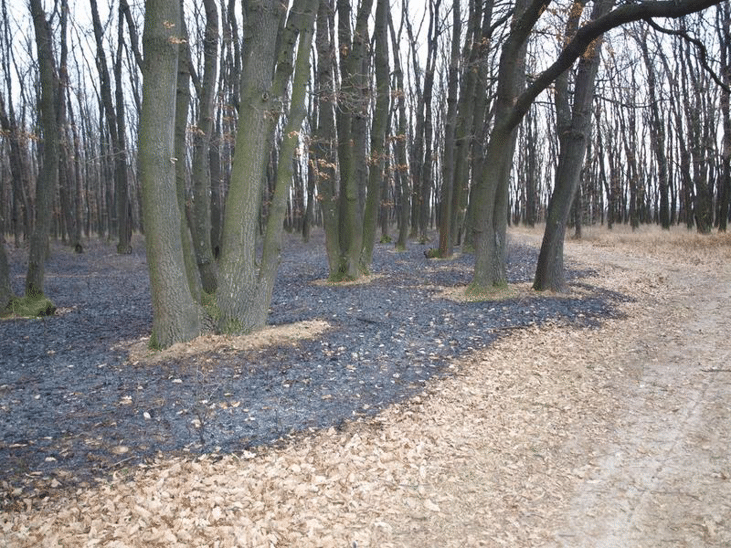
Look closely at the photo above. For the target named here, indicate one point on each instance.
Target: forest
(214, 127)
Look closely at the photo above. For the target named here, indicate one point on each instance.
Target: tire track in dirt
(666, 479)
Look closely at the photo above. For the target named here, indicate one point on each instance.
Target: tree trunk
(176, 317)
(6, 293)
(574, 133)
(379, 129)
(401, 169)
(724, 32)
(657, 135)
(182, 105)
(18, 171)
(446, 238)
(48, 177)
(119, 164)
(239, 296)
(491, 195)
(272, 245)
(491, 189)
(324, 164)
(201, 172)
(258, 110)
(351, 120)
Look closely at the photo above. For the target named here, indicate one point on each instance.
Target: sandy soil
(557, 435)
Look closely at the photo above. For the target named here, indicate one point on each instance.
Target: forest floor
(597, 418)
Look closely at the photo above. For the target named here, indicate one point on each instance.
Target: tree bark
(119, 162)
(48, 177)
(379, 129)
(657, 135)
(201, 171)
(6, 293)
(240, 304)
(351, 127)
(491, 189)
(272, 245)
(446, 239)
(401, 169)
(18, 171)
(574, 134)
(176, 317)
(324, 145)
(182, 106)
(724, 32)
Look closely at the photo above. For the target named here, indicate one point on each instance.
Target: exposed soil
(599, 418)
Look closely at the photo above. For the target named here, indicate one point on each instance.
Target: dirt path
(555, 436)
(665, 479)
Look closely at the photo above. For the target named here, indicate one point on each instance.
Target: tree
(6, 293)
(378, 132)
(324, 159)
(574, 128)
(272, 245)
(201, 172)
(724, 31)
(351, 118)
(241, 297)
(176, 316)
(118, 149)
(182, 106)
(446, 238)
(421, 150)
(48, 178)
(492, 188)
(19, 172)
(401, 169)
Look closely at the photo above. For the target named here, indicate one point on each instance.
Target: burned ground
(76, 405)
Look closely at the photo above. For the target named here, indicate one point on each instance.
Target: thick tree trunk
(258, 112)
(351, 126)
(48, 177)
(480, 122)
(243, 294)
(182, 105)
(490, 194)
(176, 317)
(574, 133)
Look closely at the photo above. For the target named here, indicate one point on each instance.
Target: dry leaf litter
(491, 456)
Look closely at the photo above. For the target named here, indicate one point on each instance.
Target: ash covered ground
(74, 409)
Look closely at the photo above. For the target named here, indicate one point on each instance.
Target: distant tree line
(212, 126)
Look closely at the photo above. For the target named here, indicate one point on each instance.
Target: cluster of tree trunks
(229, 119)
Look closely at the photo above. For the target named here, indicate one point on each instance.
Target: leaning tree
(512, 103)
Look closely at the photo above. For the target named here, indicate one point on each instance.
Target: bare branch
(700, 47)
(626, 13)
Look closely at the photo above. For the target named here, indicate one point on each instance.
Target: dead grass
(141, 354)
(363, 280)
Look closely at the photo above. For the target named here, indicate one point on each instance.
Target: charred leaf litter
(73, 409)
